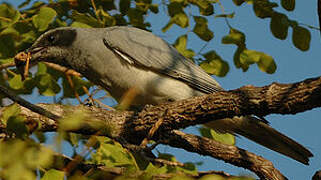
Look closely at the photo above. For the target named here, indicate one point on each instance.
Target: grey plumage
(124, 58)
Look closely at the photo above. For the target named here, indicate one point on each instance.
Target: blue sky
(292, 66)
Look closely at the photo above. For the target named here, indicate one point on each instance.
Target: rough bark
(133, 126)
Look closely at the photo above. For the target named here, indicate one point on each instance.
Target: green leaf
(7, 46)
(177, 14)
(124, 6)
(15, 82)
(112, 154)
(214, 177)
(136, 18)
(24, 4)
(225, 138)
(181, 20)
(47, 85)
(201, 29)
(214, 64)
(154, 8)
(175, 7)
(16, 125)
(19, 86)
(42, 69)
(188, 168)
(279, 25)
(180, 44)
(181, 177)
(80, 25)
(12, 110)
(266, 64)
(237, 59)
(106, 18)
(238, 2)
(301, 38)
(8, 15)
(263, 8)
(79, 83)
(250, 56)
(205, 7)
(234, 37)
(153, 170)
(289, 5)
(15, 122)
(85, 19)
(53, 174)
(45, 16)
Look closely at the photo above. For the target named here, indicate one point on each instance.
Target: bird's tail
(255, 130)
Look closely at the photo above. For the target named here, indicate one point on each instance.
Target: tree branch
(113, 124)
(249, 100)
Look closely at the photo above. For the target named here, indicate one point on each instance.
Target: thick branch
(249, 100)
(115, 125)
(230, 154)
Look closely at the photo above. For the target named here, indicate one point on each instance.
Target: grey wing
(144, 49)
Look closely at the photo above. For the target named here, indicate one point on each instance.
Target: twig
(231, 154)
(27, 104)
(166, 162)
(63, 69)
(6, 65)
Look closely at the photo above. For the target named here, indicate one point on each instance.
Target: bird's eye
(51, 38)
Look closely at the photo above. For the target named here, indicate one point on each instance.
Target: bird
(121, 58)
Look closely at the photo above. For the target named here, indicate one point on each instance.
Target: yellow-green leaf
(85, 19)
(225, 138)
(53, 174)
(8, 15)
(15, 82)
(279, 25)
(45, 16)
(124, 6)
(266, 64)
(250, 56)
(301, 38)
(180, 44)
(205, 7)
(16, 125)
(289, 5)
(12, 110)
(201, 29)
(234, 37)
(181, 20)
(47, 85)
(214, 64)
(263, 8)
(80, 25)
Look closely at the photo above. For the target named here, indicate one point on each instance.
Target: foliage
(20, 26)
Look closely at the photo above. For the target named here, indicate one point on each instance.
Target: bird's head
(53, 46)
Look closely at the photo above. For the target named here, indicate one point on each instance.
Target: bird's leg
(127, 98)
(68, 77)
